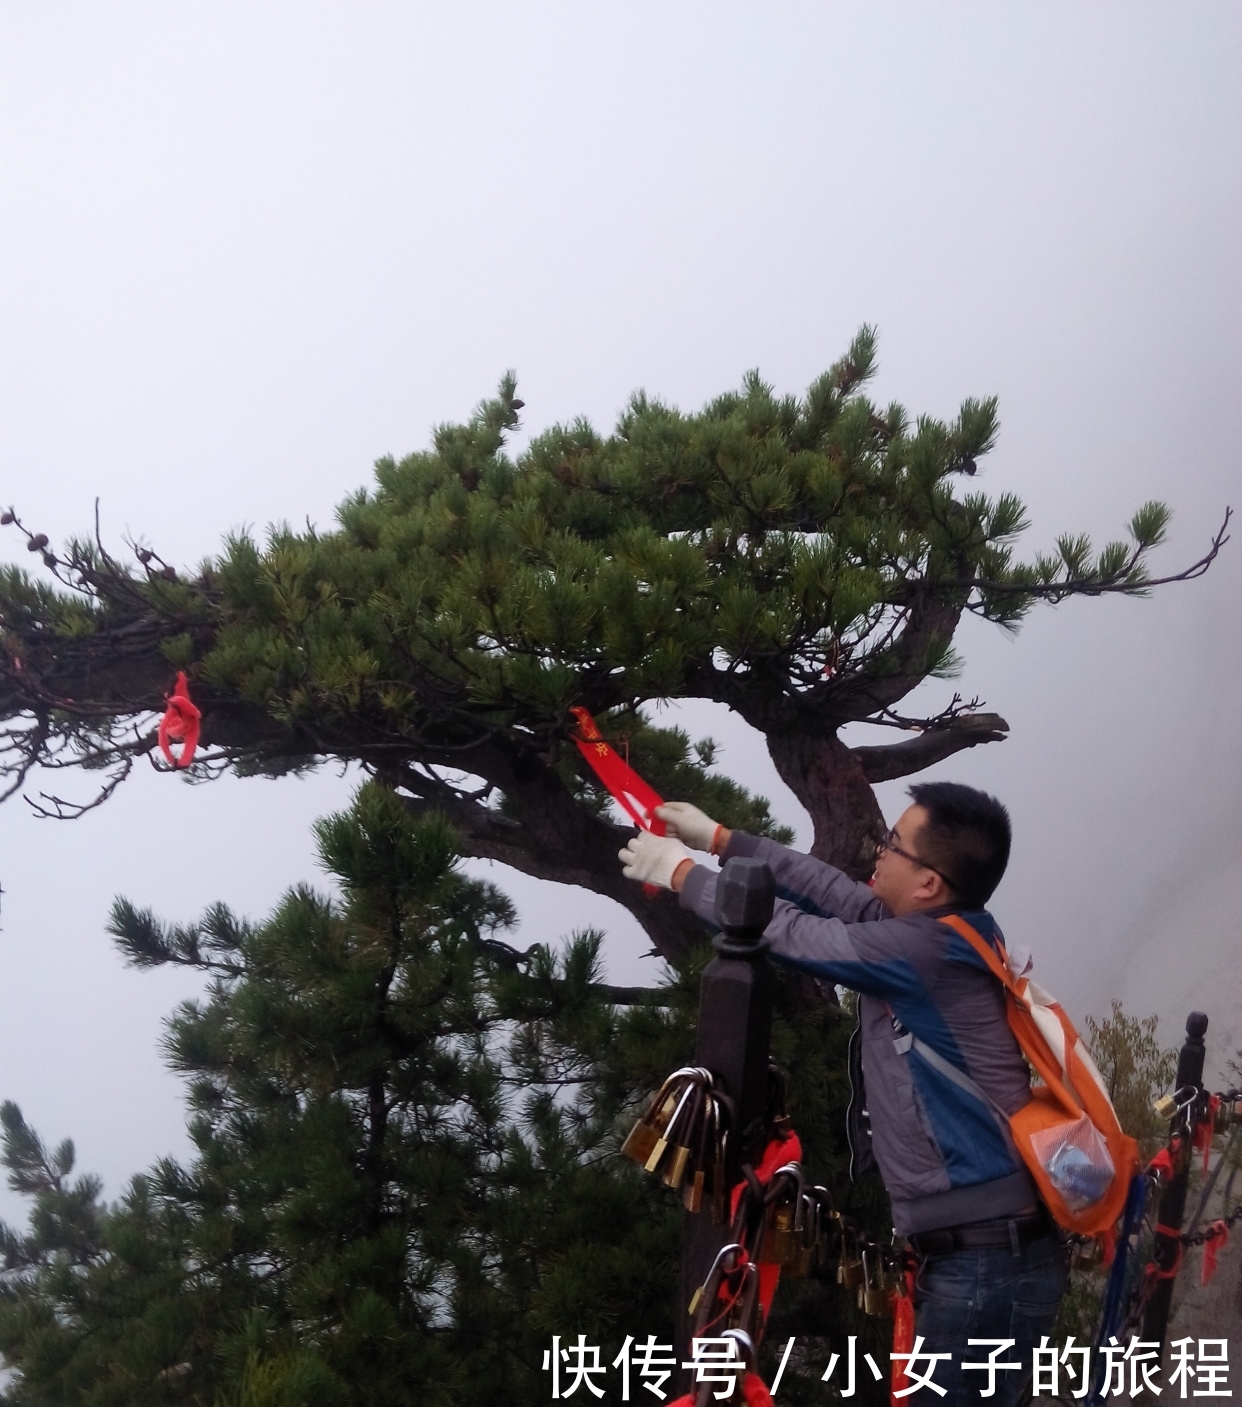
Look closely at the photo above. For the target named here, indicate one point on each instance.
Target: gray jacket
(945, 1154)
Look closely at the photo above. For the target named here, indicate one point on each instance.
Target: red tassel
(180, 724)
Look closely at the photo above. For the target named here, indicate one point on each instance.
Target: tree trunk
(830, 783)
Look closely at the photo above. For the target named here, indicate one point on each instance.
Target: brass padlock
(873, 1293)
(661, 1144)
(782, 1221)
(675, 1168)
(715, 1287)
(850, 1266)
(780, 1236)
(1086, 1254)
(1166, 1106)
(689, 1130)
(642, 1138)
(693, 1190)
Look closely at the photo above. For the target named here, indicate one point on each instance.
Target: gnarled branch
(884, 763)
(551, 837)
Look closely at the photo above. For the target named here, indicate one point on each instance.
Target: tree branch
(883, 764)
(553, 837)
(1055, 591)
(889, 675)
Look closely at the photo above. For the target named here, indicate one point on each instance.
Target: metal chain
(1212, 1231)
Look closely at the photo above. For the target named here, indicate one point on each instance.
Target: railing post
(1172, 1210)
(732, 1040)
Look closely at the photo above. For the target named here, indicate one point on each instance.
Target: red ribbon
(1162, 1165)
(1205, 1128)
(1153, 1271)
(755, 1392)
(903, 1336)
(1217, 1236)
(180, 724)
(634, 796)
(786, 1149)
(625, 786)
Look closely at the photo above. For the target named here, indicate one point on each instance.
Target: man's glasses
(888, 841)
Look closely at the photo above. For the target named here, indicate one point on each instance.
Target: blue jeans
(986, 1293)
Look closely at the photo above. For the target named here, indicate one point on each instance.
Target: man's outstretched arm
(813, 886)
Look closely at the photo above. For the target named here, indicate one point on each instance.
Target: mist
(246, 250)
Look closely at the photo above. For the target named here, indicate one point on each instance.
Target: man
(991, 1263)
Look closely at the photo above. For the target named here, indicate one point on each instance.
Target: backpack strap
(996, 962)
(1032, 1041)
(958, 1077)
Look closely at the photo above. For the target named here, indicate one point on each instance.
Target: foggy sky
(245, 250)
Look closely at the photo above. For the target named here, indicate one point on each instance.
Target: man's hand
(689, 824)
(653, 859)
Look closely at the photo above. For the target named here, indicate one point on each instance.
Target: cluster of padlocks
(683, 1138)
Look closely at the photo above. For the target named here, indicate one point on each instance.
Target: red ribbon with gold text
(625, 786)
(634, 796)
(180, 724)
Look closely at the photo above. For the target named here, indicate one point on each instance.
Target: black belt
(1014, 1232)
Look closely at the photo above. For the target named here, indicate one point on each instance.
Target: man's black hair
(966, 836)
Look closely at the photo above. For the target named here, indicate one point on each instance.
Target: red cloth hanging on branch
(180, 724)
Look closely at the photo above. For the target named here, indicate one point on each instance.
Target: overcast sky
(245, 250)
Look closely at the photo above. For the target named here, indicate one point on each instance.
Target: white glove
(652, 858)
(688, 824)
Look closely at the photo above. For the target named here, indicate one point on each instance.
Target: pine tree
(805, 562)
(403, 1127)
(400, 1187)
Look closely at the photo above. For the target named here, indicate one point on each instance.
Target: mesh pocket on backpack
(1077, 1161)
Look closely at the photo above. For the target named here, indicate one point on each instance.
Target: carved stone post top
(745, 896)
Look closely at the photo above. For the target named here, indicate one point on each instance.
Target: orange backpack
(1068, 1135)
